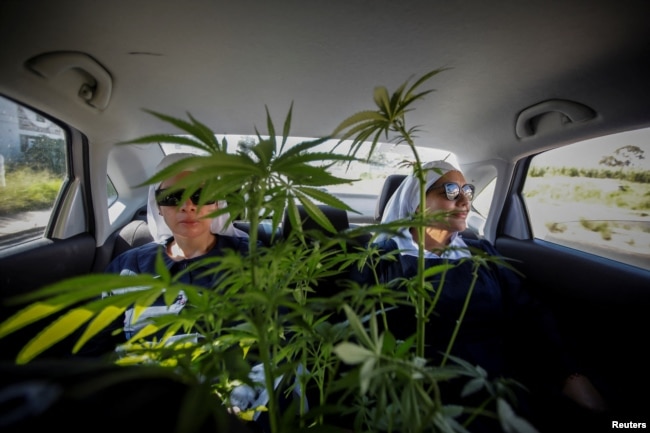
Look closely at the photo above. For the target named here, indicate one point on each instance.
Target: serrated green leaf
(422, 79)
(264, 150)
(510, 421)
(351, 353)
(78, 289)
(285, 163)
(269, 123)
(381, 98)
(53, 333)
(168, 138)
(324, 197)
(205, 134)
(366, 374)
(29, 315)
(438, 269)
(147, 330)
(316, 214)
(105, 317)
(365, 117)
(357, 326)
(299, 148)
(194, 128)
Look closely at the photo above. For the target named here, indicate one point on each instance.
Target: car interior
(517, 81)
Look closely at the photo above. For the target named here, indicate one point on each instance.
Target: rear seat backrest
(392, 182)
(330, 285)
(264, 231)
(132, 235)
(338, 218)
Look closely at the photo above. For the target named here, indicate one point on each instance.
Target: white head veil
(405, 201)
(157, 226)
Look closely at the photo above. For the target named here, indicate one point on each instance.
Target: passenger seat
(338, 218)
(331, 285)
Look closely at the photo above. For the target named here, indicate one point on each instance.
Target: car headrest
(265, 233)
(390, 185)
(132, 235)
(338, 218)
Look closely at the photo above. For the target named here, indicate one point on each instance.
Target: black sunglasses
(174, 198)
(453, 190)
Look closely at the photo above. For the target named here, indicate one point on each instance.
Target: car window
(594, 196)
(362, 194)
(32, 171)
(111, 192)
(481, 208)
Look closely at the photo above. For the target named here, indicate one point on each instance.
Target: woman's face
(187, 219)
(436, 201)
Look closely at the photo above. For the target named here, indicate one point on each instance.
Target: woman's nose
(463, 200)
(188, 206)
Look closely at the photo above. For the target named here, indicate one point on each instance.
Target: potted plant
(269, 310)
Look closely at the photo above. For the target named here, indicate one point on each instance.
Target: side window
(111, 192)
(32, 171)
(594, 196)
(481, 208)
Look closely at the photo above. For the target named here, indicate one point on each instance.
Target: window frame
(517, 221)
(69, 215)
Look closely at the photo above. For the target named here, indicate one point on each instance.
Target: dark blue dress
(506, 330)
(142, 260)
(498, 311)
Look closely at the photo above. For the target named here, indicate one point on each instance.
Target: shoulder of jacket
(483, 244)
(140, 254)
(386, 244)
(234, 242)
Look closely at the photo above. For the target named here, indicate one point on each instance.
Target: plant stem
(475, 266)
(419, 301)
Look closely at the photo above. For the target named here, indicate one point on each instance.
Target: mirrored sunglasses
(175, 198)
(453, 190)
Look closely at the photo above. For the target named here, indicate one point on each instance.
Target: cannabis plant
(285, 313)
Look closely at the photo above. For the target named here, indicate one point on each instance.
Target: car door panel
(602, 309)
(26, 271)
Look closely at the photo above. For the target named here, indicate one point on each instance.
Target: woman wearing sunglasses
(449, 195)
(183, 234)
(501, 318)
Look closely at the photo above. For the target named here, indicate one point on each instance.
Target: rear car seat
(338, 218)
(332, 284)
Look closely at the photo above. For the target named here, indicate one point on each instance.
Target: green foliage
(279, 305)
(624, 156)
(630, 174)
(46, 153)
(624, 194)
(29, 190)
(602, 227)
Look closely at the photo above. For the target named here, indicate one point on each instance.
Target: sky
(587, 154)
